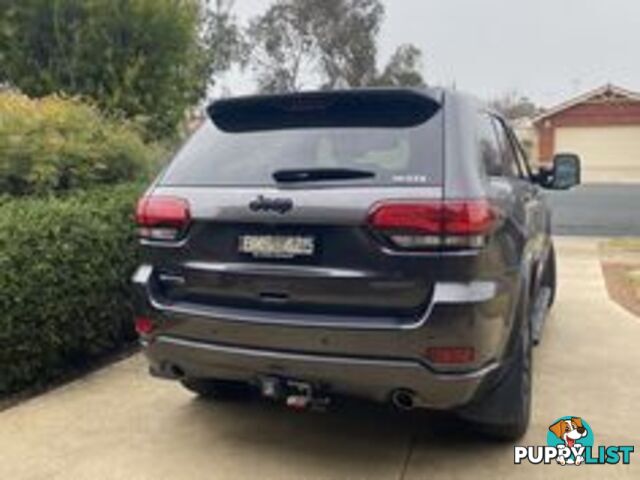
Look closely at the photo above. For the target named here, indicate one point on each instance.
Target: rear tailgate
(257, 243)
(349, 271)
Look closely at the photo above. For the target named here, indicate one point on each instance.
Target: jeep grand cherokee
(392, 244)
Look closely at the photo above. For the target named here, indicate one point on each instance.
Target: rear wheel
(217, 389)
(505, 411)
(549, 279)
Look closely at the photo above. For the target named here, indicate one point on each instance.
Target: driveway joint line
(407, 458)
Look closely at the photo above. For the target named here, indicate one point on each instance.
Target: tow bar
(297, 395)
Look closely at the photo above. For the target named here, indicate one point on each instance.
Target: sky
(548, 50)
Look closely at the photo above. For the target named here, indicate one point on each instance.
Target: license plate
(277, 246)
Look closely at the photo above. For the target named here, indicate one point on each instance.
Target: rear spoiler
(373, 108)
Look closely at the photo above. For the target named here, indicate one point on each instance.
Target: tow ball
(296, 395)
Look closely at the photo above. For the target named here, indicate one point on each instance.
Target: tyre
(549, 279)
(504, 412)
(217, 389)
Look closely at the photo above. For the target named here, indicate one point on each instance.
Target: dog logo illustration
(570, 441)
(570, 431)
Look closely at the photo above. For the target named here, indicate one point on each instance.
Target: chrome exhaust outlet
(176, 372)
(403, 400)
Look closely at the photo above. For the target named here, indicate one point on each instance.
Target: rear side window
(488, 146)
(403, 148)
(509, 155)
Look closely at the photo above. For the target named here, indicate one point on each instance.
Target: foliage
(65, 264)
(223, 38)
(54, 145)
(514, 105)
(334, 41)
(403, 68)
(346, 32)
(284, 47)
(145, 58)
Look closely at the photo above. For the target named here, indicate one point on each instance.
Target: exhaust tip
(403, 400)
(177, 372)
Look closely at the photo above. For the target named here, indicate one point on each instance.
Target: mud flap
(496, 404)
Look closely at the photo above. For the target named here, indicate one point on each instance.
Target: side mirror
(565, 173)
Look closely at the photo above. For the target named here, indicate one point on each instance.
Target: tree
(346, 33)
(332, 43)
(223, 37)
(284, 47)
(146, 59)
(514, 105)
(403, 68)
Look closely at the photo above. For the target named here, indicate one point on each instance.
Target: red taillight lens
(450, 355)
(460, 223)
(162, 218)
(417, 217)
(467, 217)
(144, 325)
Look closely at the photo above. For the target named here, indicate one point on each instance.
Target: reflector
(144, 325)
(450, 355)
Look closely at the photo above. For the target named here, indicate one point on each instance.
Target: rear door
(533, 212)
(303, 247)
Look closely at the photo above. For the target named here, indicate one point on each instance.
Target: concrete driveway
(121, 424)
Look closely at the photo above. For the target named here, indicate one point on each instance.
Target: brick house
(602, 126)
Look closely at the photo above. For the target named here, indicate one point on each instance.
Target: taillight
(434, 224)
(162, 218)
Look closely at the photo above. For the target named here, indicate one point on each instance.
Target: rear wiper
(320, 174)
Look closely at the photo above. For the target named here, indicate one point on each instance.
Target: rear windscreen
(403, 154)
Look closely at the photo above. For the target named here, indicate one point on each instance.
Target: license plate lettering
(275, 246)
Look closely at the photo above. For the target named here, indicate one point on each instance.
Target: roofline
(584, 97)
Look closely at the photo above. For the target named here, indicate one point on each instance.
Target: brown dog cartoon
(569, 431)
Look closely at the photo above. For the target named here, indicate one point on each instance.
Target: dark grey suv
(391, 244)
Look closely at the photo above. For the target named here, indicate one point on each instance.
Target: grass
(631, 245)
(634, 277)
(621, 267)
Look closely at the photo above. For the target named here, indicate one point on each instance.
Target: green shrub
(148, 59)
(55, 145)
(65, 265)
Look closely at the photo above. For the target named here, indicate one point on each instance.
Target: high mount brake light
(162, 218)
(434, 224)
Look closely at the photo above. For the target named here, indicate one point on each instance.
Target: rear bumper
(372, 378)
(357, 357)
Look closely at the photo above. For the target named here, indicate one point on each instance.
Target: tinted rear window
(407, 154)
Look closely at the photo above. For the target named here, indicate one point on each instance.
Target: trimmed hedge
(55, 144)
(65, 265)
